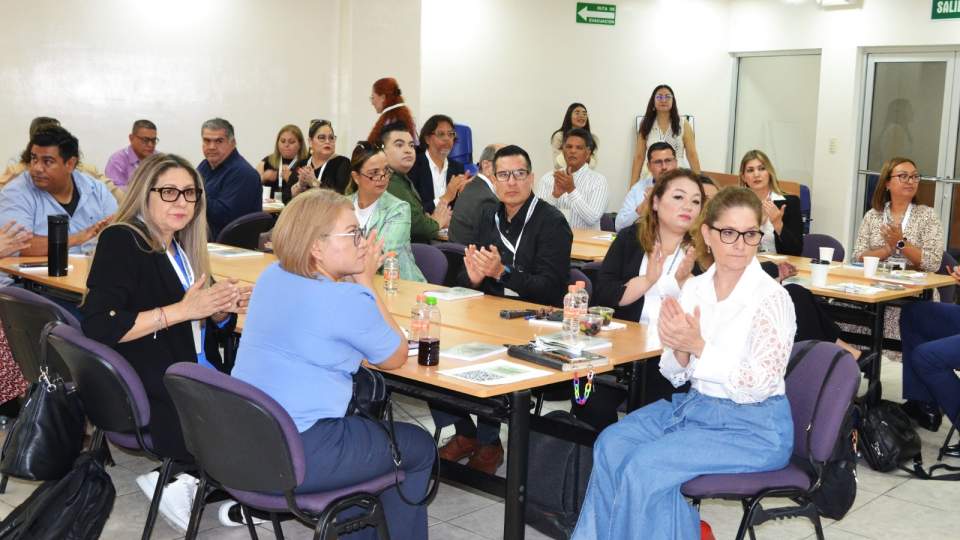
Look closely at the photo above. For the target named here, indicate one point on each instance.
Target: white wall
(178, 62)
(509, 70)
(842, 35)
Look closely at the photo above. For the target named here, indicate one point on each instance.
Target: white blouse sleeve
(670, 368)
(770, 343)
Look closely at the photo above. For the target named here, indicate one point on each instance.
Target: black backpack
(557, 477)
(76, 507)
(888, 440)
(838, 476)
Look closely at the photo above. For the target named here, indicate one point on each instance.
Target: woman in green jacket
(377, 209)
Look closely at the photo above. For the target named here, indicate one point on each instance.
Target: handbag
(48, 435)
(887, 437)
(371, 400)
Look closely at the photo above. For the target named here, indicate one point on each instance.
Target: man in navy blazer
(436, 177)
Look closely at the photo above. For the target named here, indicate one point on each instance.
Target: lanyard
(507, 243)
(181, 265)
(904, 221)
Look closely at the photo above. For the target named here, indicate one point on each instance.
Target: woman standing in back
(387, 100)
(662, 123)
(575, 117)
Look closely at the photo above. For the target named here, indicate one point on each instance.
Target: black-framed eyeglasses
(905, 178)
(730, 236)
(171, 194)
(519, 174)
(358, 235)
(148, 140)
(377, 174)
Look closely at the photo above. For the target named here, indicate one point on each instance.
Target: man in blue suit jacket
(231, 186)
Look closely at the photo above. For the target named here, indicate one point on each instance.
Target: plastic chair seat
(738, 486)
(313, 502)
(128, 441)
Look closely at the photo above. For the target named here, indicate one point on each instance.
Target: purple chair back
(112, 394)
(608, 222)
(23, 315)
(577, 275)
(431, 261)
(813, 242)
(239, 435)
(454, 254)
(803, 387)
(244, 232)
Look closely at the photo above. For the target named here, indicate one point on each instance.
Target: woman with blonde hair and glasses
(151, 296)
(729, 335)
(782, 223)
(325, 275)
(288, 150)
(378, 210)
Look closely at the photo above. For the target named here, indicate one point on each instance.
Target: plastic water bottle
(391, 272)
(419, 318)
(429, 341)
(583, 299)
(571, 313)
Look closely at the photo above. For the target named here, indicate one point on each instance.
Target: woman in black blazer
(782, 224)
(647, 261)
(151, 298)
(324, 168)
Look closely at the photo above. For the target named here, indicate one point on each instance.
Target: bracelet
(163, 316)
(157, 316)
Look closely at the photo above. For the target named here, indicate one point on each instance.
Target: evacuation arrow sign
(588, 13)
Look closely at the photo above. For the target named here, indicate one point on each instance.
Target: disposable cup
(818, 273)
(870, 266)
(826, 253)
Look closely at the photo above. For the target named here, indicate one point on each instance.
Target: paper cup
(266, 193)
(818, 273)
(826, 254)
(870, 266)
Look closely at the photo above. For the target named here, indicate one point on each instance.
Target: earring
(708, 250)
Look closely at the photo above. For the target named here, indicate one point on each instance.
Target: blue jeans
(930, 333)
(640, 462)
(341, 452)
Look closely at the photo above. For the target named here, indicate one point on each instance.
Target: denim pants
(640, 462)
(340, 452)
(930, 333)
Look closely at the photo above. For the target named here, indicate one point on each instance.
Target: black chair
(454, 253)
(577, 275)
(947, 293)
(114, 401)
(813, 242)
(219, 415)
(244, 232)
(608, 222)
(23, 315)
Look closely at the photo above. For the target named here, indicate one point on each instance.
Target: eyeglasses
(171, 194)
(519, 174)
(445, 134)
(148, 140)
(377, 174)
(730, 236)
(907, 178)
(325, 138)
(358, 235)
(663, 97)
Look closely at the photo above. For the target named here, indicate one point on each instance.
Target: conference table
(849, 293)
(466, 320)
(590, 245)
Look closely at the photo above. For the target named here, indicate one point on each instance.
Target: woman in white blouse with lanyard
(730, 335)
(782, 223)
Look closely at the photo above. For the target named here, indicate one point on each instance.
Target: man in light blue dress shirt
(661, 157)
(52, 185)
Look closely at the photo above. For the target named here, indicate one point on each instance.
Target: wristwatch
(505, 274)
(902, 243)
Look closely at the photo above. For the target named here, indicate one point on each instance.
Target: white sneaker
(236, 519)
(177, 501)
(148, 483)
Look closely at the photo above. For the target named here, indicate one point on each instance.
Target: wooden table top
(843, 273)
(588, 252)
(593, 237)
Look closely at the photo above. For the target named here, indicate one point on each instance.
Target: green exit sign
(944, 9)
(588, 13)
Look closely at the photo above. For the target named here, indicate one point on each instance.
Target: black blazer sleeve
(422, 180)
(109, 309)
(790, 239)
(621, 264)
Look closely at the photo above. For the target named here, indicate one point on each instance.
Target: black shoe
(926, 415)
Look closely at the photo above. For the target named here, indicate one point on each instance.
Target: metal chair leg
(943, 447)
(197, 510)
(248, 519)
(3, 483)
(277, 529)
(155, 501)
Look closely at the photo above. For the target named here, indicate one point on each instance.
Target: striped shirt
(583, 206)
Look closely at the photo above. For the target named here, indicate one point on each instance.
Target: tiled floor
(888, 506)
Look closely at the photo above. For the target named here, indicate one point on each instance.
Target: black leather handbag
(887, 438)
(370, 395)
(48, 435)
